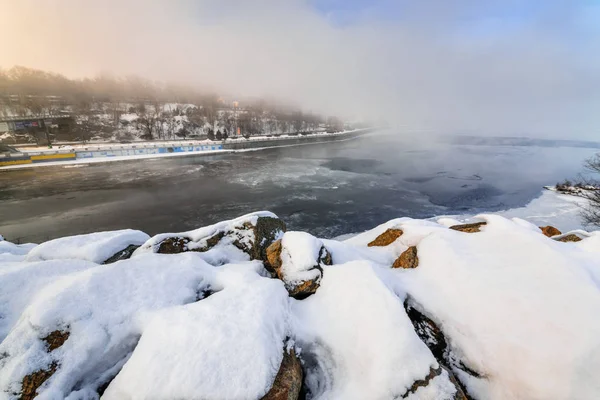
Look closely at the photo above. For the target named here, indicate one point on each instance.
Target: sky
(495, 67)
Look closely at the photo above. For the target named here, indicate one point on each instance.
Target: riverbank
(84, 154)
(249, 308)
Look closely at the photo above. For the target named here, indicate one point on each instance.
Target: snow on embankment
(494, 309)
(96, 247)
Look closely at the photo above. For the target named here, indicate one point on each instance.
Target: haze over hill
(484, 68)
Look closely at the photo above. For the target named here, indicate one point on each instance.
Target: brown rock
(305, 288)
(296, 290)
(325, 256)
(273, 263)
(386, 238)
(408, 259)
(266, 231)
(550, 231)
(434, 372)
(570, 238)
(33, 381)
(212, 241)
(468, 228)
(173, 245)
(56, 339)
(288, 381)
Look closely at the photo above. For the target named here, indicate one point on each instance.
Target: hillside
(36, 105)
(421, 309)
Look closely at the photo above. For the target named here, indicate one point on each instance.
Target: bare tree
(85, 119)
(228, 121)
(591, 214)
(146, 122)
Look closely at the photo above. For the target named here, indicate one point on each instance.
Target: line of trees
(591, 214)
(31, 92)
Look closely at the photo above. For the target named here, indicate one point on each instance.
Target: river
(327, 189)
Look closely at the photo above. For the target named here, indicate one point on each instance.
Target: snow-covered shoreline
(243, 309)
(100, 153)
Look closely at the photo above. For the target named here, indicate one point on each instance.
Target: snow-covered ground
(502, 312)
(550, 208)
(105, 147)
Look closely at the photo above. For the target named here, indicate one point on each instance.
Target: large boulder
(469, 228)
(430, 333)
(34, 380)
(297, 259)
(550, 231)
(122, 254)
(266, 231)
(569, 238)
(251, 233)
(386, 238)
(408, 259)
(288, 381)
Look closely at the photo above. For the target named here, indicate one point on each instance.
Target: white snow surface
(105, 309)
(299, 256)
(96, 247)
(14, 252)
(518, 308)
(228, 346)
(21, 282)
(357, 338)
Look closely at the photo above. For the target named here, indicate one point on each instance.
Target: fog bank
(491, 69)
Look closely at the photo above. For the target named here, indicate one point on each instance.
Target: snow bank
(550, 208)
(96, 247)
(14, 252)
(520, 307)
(198, 237)
(228, 346)
(300, 252)
(518, 313)
(21, 282)
(105, 310)
(357, 340)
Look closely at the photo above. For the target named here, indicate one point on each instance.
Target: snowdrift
(496, 308)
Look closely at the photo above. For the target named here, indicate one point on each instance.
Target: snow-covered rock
(488, 307)
(104, 309)
(228, 346)
(21, 282)
(356, 340)
(519, 307)
(239, 239)
(96, 247)
(297, 259)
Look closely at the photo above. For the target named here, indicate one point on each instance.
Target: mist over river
(327, 189)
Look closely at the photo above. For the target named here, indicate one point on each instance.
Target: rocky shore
(491, 308)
